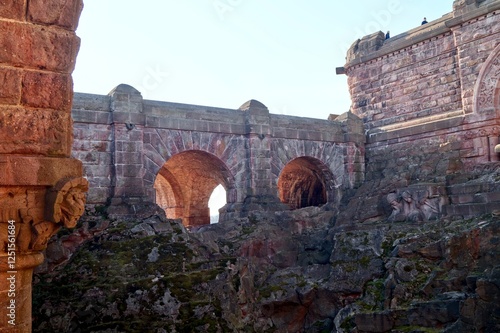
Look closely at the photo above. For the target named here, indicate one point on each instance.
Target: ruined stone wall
(125, 142)
(41, 188)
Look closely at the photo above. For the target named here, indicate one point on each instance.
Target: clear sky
(225, 52)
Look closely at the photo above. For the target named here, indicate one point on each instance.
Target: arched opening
(185, 184)
(217, 201)
(304, 182)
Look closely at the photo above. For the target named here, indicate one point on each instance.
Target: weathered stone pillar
(127, 121)
(259, 192)
(41, 187)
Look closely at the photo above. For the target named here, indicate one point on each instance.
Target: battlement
(375, 45)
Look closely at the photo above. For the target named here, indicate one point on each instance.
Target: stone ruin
(137, 152)
(421, 141)
(425, 109)
(41, 185)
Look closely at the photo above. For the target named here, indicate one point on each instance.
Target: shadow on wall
(303, 183)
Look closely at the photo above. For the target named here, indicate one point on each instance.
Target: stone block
(43, 132)
(103, 117)
(185, 125)
(101, 134)
(38, 47)
(84, 116)
(225, 128)
(82, 101)
(128, 158)
(104, 158)
(150, 177)
(162, 122)
(129, 170)
(10, 81)
(62, 13)
(128, 146)
(303, 135)
(213, 127)
(125, 134)
(38, 90)
(98, 195)
(13, 10)
(133, 184)
(202, 126)
(128, 118)
(279, 132)
(237, 129)
(152, 121)
(461, 199)
(291, 133)
(92, 171)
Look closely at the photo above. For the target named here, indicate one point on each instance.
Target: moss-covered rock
(275, 273)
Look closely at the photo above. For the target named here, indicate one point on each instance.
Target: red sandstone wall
(418, 81)
(420, 87)
(38, 53)
(429, 100)
(475, 40)
(125, 141)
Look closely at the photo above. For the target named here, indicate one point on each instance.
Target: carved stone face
(67, 202)
(72, 206)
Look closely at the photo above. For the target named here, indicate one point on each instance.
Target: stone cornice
(484, 10)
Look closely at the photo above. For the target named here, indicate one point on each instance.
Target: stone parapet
(375, 46)
(125, 142)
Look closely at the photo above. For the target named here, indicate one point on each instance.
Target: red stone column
(41, 188)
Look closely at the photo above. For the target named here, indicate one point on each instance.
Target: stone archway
(304, 182)
(487, 88)
(487, 107)
(185, 182)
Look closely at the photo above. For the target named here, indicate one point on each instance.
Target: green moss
(246, 230)
(348, 324)
(267, 291)
(373, 298)
(210, 322)
(365, 261)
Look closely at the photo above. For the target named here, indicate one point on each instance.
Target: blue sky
(225, 52)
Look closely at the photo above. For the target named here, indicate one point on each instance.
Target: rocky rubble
(296, 271)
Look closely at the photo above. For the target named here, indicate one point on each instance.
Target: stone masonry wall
(429, 102)
(125, 141)
(93, 144)
(421, 80)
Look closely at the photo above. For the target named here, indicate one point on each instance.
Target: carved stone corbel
(64, 205)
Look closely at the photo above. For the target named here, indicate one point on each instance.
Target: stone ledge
(413, 128)
(37, 171)
(472, 14)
